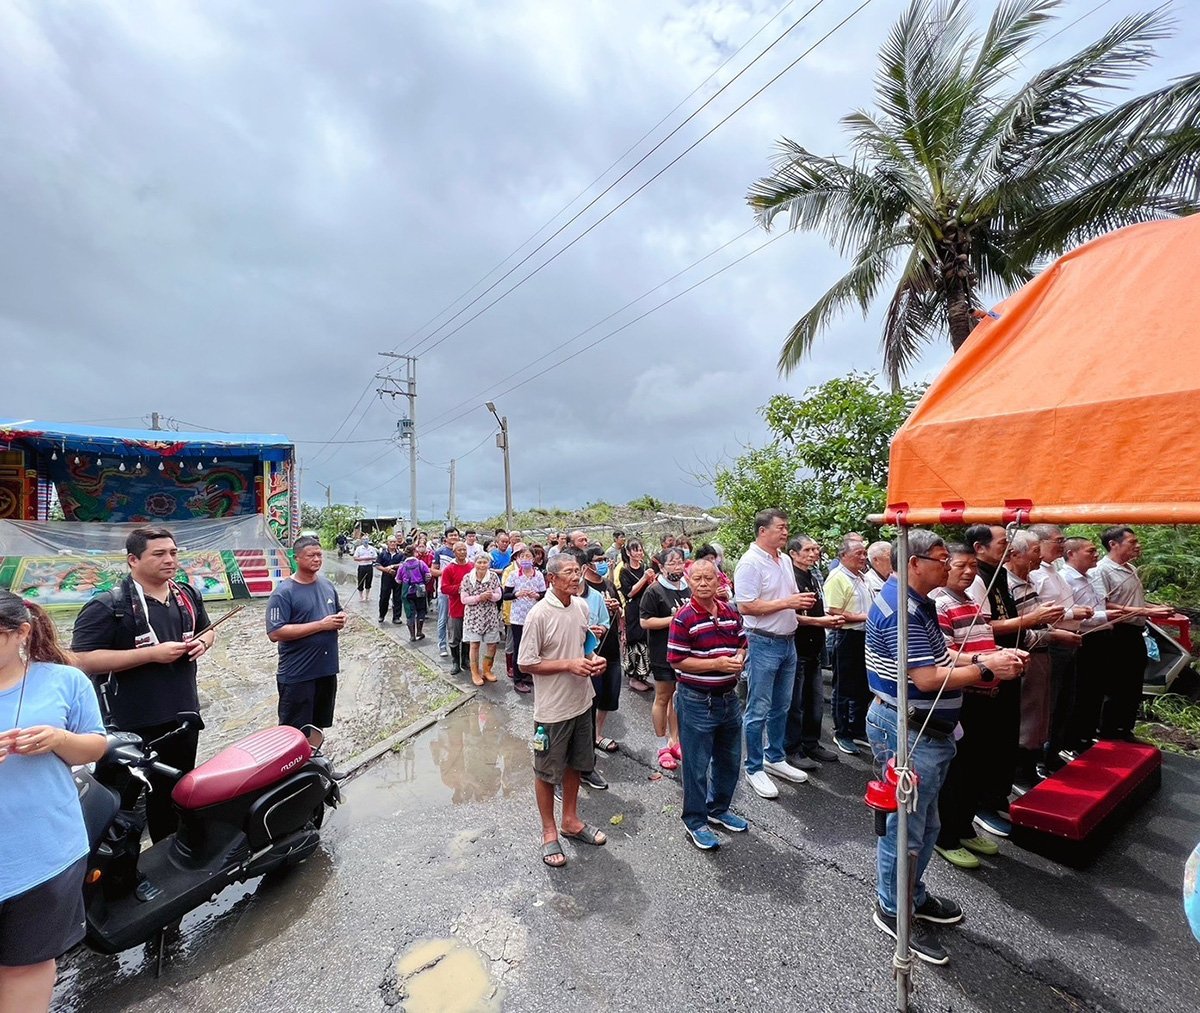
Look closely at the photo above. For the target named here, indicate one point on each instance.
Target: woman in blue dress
(49, 722)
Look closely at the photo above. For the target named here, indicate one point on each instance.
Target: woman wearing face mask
(666, 596)
(601, 601)
(49, 720)
(632, 578)
(523, 587)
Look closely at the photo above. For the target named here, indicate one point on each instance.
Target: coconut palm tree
(958, 184)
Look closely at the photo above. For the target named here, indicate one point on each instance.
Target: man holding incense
(139, 643)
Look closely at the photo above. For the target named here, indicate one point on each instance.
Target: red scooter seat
(255, 762)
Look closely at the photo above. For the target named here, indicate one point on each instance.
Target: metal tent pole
(902, 960)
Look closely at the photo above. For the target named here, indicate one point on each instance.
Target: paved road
(433, 863)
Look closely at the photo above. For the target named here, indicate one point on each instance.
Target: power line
(616, 162)
(691, 147)
(474, 399)
(421, 348)
(617, 330)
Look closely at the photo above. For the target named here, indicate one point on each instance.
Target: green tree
(826, 463)
(335, 520)
(958, 183)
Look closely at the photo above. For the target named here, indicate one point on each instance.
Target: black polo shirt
(810, 639)
(151, 694)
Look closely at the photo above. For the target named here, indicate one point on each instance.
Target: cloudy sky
(223, 211)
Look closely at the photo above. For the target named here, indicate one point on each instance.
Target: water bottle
(541, 741)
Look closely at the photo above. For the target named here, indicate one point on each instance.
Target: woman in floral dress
(480, 593)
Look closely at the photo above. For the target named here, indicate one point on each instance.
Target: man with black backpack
(139, 644)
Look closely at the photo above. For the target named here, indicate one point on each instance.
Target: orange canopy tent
(1067, 403)
(1073, 400)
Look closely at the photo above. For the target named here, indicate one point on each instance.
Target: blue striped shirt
(926, 648)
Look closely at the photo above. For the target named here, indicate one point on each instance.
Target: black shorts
(572, 744)
(307, 703)
(43, 923)
(662, 673)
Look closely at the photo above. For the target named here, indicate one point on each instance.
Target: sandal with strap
(588, 834)
(549, 850)
(666, 759)
(607, 745)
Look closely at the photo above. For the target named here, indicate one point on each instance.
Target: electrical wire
(474, 399)
(612, 211)
(419, 350)
(617, 330)
(616, 162)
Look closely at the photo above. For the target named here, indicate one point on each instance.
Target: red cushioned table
(1070, 815)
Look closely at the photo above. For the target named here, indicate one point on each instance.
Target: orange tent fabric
(1079, 402)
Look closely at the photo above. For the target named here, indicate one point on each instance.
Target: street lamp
(502, 443)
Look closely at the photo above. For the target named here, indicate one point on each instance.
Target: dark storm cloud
(223, 211)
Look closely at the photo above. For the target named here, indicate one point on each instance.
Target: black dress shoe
(821, 754)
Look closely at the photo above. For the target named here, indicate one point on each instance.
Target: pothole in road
(443, 976)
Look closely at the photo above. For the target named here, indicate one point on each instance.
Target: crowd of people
(1024, 647)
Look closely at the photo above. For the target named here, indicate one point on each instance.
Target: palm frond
(914, 315)
(858, 286)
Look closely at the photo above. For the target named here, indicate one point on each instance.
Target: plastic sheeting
(1075, 403)
(67, 538)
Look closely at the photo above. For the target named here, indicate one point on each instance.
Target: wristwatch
(985, 673)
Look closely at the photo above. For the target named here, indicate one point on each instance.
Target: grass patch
(1173, 724)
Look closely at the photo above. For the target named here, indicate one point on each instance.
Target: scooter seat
(256, 761)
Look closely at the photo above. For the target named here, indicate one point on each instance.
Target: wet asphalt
(440, 841)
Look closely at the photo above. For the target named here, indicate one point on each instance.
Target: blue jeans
(710, 734)
(772, 668)
(443, 619)
(931, 761)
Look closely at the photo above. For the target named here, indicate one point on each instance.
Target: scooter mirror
(191, 720)
(315, 736)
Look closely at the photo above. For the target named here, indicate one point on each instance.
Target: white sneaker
(763, 786)
(786, 771)
(443, 653)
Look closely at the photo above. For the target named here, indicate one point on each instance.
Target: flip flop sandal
(607, 745)
(666, 759)
(549, 850)
(588, 834)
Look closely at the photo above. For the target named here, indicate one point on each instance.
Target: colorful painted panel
(141, 493)
(12, 485)
(281, 509)
(72, 581)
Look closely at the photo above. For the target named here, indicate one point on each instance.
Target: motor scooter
(255, 807)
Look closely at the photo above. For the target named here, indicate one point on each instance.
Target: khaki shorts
(571, 745)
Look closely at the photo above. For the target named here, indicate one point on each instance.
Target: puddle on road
(475, 758)
(444, 976)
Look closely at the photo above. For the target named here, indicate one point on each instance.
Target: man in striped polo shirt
(968, 633)
(707, 649)
(930, 670)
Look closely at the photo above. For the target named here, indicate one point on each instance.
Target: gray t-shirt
(314, 656)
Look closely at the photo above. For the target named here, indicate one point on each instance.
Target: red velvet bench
(1070, 815)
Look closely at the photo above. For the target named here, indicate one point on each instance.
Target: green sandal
(959, 857)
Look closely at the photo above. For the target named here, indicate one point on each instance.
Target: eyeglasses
(941, 560)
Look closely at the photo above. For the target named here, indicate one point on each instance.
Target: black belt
(940, 727)
(773, 636)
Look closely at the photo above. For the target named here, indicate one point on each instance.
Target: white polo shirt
(761, 576)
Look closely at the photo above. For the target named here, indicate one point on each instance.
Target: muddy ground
(381, 687)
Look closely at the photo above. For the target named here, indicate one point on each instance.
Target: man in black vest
(138, 642)
(389, 588)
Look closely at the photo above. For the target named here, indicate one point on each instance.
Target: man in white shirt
(474, 549)
(879, 566)
(1116, 580)
(1052, 590)
(766, 596)
(1079, 558)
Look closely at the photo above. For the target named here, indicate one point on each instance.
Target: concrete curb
(357, 764)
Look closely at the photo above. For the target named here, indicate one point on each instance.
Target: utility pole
(502, 443)
(450, 513)
(155, 422)
(406, 428)
(328, 493)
